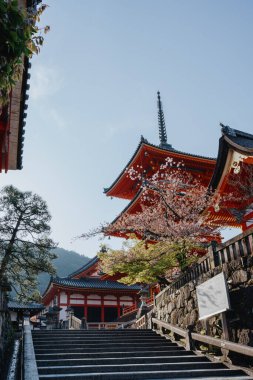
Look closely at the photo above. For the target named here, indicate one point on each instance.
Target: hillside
(66, 263)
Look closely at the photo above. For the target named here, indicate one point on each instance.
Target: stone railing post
(84, 324)
(211, 253)
(188, 339)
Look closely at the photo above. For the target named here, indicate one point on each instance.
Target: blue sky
(93, 94)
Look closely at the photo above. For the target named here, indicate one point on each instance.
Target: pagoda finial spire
(161, 121)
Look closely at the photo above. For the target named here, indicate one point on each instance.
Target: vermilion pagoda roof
(235, 146)
(150, 157)
(232, 141)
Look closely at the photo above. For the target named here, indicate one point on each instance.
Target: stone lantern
(53, 316)
(143, 309)
(70, 313)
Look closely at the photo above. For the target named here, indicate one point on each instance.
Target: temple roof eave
(15, 306)
(85, 267)
(145, 144)
(231, 140)
(141, 143)
(131, 204)
(88, 283)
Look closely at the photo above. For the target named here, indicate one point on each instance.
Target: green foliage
(65, 263)
(19, 37)
(146, 263)
(25, 244)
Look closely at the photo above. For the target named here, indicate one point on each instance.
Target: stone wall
(180, 308)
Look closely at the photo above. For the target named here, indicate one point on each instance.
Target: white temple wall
(63, 298)
(95, 299)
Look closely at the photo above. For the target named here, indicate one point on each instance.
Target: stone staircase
(120, 354)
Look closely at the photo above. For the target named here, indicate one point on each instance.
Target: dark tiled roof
(86, 266)
(235, 139)
(164, 147)
(243, 139)
(90, 283)
(28, 306)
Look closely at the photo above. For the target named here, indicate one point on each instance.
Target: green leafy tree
(25, 243)
(19, 37)
(140, 262)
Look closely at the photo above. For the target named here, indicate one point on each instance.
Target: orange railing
(133, 308)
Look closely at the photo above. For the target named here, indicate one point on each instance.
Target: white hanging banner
(213, 297)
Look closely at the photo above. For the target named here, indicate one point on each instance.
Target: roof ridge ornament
(161, 124)
(143, 140)
(227, 130)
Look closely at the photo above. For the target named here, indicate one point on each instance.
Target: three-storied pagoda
(224, 175)
(147, 159)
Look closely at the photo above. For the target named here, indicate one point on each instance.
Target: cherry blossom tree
(174, 210)
(174, 205)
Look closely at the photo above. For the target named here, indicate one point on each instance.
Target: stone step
(112, 354)
(95, 337)
(92, 336)
(119, 361)
(121, 355)
(103, 348)
(72, 341)
(224, 373)
(131, 367)
(94, 332)
(106, 344)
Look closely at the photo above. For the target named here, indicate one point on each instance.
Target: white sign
(213, 297)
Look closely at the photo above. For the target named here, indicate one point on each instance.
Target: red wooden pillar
(85, 307)
(68, 298)
(118, 306)
(102, 309)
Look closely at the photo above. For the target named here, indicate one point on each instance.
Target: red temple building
(91, 294)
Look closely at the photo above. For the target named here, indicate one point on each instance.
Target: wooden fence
(241, 246)
(191, 337)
